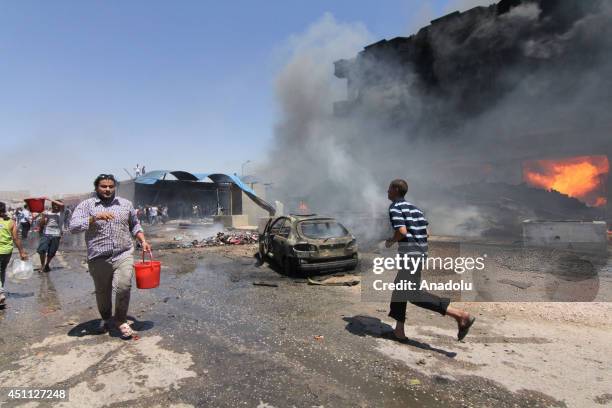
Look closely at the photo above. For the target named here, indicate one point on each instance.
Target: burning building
(495, 103)
(582, 177)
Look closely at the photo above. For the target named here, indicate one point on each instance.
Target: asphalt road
(209, 337)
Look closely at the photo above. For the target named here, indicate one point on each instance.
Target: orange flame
(580, 177)
(303, 207)
(600, 202)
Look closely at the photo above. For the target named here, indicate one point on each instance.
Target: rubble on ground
(220, 239)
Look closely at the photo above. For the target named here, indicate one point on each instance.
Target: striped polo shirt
(404, 214)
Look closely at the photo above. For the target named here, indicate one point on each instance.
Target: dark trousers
(25, 228)
(4, 261)
(419, 298)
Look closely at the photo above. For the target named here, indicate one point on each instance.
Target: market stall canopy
(154, 176)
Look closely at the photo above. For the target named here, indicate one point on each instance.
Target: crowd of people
(15, 227)
(157, 213)
(26, 220)
(152, 214)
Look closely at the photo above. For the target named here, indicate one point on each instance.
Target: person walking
(195, 210)
(140, 212)
(410, 233)
(164, 214)
(51, 227)
(109, 223)
(8, 239)
(67, 215)
(153, 214)
(25, 221)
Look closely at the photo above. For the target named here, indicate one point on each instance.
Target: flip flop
(463, 331)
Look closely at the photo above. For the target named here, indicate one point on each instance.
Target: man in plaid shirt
(109, 223)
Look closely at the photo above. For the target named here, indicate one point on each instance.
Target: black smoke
(463, 101)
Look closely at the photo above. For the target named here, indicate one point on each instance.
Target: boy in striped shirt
(410, 232)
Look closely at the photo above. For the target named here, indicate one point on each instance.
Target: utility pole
(242, 167)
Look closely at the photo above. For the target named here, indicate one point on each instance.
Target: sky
(91, 87)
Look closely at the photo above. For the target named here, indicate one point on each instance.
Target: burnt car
(303, 244)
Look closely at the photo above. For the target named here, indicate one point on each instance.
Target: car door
(281, 239)
(275, 244)
(264, 242)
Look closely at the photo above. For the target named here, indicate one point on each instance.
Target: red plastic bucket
(147, 273)
(36, 205)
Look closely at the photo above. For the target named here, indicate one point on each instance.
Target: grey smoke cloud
(511, 77)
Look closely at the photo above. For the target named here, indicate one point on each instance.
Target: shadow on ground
(361, 325)
(17, 295)
(91, 327)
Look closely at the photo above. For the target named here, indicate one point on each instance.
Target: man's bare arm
(17, 241)
(58, 203)
(398, 235)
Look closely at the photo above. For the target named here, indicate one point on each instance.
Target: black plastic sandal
(463, 331)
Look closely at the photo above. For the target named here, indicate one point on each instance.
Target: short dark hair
(400, 185)
(2, 207)
(104, 177)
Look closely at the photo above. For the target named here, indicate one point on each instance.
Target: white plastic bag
(21, 270)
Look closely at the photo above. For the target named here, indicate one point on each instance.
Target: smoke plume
(499, 85)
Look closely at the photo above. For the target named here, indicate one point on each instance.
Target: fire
(303, 207)
(600, 202)
(580, 177)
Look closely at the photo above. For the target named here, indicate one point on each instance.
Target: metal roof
(154, 176)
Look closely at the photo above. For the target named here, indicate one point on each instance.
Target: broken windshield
(322, 229)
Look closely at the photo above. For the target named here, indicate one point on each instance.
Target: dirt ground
(209, 337)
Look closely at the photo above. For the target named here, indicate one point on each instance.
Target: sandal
(126, 331)
(463, 331)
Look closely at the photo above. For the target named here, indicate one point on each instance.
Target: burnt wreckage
(463, 66)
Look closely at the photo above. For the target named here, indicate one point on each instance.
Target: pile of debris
(231, 238)
(222, 238)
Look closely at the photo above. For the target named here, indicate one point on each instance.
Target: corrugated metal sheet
(153, 176)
